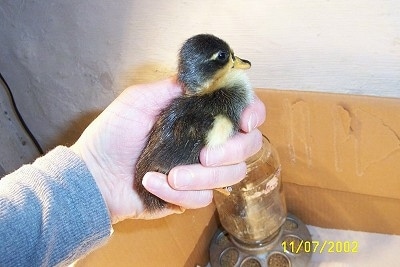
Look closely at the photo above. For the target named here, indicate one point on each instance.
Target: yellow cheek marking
(220, 132)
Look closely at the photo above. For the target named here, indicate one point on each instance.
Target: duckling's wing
(176, 138)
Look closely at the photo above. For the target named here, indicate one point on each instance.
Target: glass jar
(253, 210)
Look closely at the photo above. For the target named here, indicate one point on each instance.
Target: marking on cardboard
(365, 132)
(297, 120)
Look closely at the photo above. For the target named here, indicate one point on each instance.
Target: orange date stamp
(317, 246)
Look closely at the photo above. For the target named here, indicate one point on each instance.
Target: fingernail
(253, 121)
(182, 178)
(153, 180)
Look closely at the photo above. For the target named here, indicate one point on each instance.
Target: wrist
(95, 171)
(121, 200)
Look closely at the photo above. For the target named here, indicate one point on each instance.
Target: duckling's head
(205, 64)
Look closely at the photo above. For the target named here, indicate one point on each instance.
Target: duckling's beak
(239, 63)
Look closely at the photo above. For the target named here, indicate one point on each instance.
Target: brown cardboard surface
(341, 142)
(177, 240)
(339, 156)
(340, 159)
(343, 210)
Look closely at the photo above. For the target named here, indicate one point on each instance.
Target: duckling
(216, 91)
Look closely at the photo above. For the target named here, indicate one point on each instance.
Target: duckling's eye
(222, 55)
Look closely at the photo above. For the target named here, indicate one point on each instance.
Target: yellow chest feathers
(220, 132)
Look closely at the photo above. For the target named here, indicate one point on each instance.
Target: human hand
(112, 143)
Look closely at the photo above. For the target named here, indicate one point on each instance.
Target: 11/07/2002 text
(316, 246)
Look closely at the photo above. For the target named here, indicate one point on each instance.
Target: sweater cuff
(90, 224)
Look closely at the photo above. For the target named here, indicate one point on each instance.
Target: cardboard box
(340, 158)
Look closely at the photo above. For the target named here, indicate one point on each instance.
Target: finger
(235, 150)
(198, 177)
(156, 183)
(253, 116)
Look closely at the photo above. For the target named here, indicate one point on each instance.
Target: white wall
(66, 60)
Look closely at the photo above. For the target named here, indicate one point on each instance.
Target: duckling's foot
(169, 209)
(176, 209)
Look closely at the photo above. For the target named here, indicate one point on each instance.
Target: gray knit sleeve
(51, 212)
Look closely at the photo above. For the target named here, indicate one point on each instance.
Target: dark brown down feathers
(181, 129)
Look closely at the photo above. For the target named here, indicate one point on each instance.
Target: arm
(51, 212)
